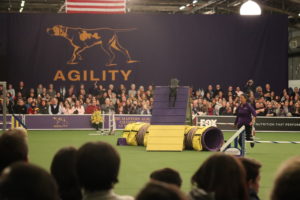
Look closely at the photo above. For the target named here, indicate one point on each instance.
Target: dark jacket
(253, 195)
(20, 109)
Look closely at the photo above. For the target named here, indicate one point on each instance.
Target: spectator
(209, 185)
(145, 110)
(132, 91)
(210, 91)
(64, 172)
(98, 165)
(296, 91)
(51, 91)
(296, 110)
(250, 86)
(287, 181)
(160, 191)
(222, 110)
(113, 99)
(252, 168)
(167, 175)
(94, 90)
(228, 111)
(44, 93)
(43, 107)
(29, 101)
(107, 107)
(210, 110)
(260, 110)
(135, 104)
(195, 107)
(59, 97)
(21, 89)
(78, 109)
(20, 108)
(67, 108)
(150, 89)
(267, 92)
(33, 109)
(11, 91)
(39, 89)
(91, 108)
(269, 111)
(208, 97)
(218, 90)
(27, 182)
(285, 111)
(32, 93)
(120, 110)
(239, 92)
(54, 108)
(134, 109)
(13, 147)
(258, 92)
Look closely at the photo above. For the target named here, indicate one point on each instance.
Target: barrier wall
(82, 122)
(262, 123)
(73, 122)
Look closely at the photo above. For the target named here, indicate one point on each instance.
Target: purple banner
(144, 49)
(58, 122)
(77, 122)
(8, 121)
(123, 120)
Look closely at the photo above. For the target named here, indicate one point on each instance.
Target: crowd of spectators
(121, 100)
(82, 100)
(219, 101)
(91, 172)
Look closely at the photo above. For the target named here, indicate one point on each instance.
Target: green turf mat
(137, 164)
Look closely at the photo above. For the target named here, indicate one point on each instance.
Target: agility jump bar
(276, 142)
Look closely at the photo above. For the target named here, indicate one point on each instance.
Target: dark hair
(223, 175)
(64, 172)
(252, 168)
(245, 96)
(160, 191)
(287, 181)
(13, 148)
(97, 166)
(167, 175)
(27, 182)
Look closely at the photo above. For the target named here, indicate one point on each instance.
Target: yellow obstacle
(173, 137)
(14, 123)
(136, 133)
(166, 138)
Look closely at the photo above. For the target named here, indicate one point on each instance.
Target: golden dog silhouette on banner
(82, 39)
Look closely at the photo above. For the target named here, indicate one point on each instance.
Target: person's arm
(59, 109)
(81, 110)
(237, 116)
(253, 112)
(49, 110)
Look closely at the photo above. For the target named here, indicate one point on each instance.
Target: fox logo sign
(208, 122)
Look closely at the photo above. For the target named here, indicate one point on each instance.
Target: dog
(82, 39)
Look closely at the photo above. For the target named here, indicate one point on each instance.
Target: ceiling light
(182, 8)
(250, 8)
(195, 1)
(22, 3)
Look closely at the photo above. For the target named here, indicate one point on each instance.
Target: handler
(245, 116)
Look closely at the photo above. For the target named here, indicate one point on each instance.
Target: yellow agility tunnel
(173, 138)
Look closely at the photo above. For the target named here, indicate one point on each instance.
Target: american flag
(96, 6)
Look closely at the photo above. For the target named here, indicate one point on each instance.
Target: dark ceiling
(289, 7)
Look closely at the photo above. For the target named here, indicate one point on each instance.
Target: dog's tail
(124, 30)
